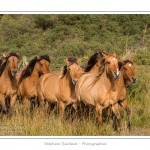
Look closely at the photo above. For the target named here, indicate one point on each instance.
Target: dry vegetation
(40, 123)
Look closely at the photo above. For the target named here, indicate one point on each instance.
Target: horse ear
(67, 62)
(114, 54)
(4, 55)
(78, 61)
(7, 54)
(132, 59)
(38, 57)
(105, 55)
(17, 54)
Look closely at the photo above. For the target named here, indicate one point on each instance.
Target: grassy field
(41, 124)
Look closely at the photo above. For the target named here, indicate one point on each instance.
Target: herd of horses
(102, 84)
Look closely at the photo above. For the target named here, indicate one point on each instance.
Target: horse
(29, 78)
(8, 83)
(128, 76)
(93, 66)
(100, 90)
(60, 89)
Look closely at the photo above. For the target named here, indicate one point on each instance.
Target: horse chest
(108, 98)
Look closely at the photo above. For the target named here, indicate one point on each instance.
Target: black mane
(92, 61)
(29, 69)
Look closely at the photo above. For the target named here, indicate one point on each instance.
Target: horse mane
(2, 66)
(92, 61)
(29, 69)
(64, 69)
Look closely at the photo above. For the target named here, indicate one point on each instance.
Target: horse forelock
(45, 57)
(72, 60)
(127, 61)
(13, 54)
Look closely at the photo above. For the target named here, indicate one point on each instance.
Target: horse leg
(61, 106)
(12, 103)
(51, 107)
(99, 110)
(2, 102)
(24, 105)
(126, 107)
(117, 116)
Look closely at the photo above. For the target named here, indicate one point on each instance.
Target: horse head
(112, 65)
(11, 60)
(74, 69)
(129, 71)
(43, 63)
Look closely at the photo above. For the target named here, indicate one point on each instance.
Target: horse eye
(108, 62)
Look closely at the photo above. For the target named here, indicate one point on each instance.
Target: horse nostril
(116, 75)
(14, 72)
(134, 80)
(74, 81)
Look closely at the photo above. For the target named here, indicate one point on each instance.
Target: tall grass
(41, 124)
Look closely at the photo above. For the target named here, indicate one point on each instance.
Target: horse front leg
(2, 103)
(61, 106)
(117, 116)
(12, 103)
(99, 110)
(126, 107)
(24, 105)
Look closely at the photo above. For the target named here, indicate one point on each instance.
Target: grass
(41, 124)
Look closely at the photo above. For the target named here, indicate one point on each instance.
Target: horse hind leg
(3, 105)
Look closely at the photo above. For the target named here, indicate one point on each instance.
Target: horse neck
(35, 75)
(109, 81)
(67, 79)
(94, 69)
(6, 73)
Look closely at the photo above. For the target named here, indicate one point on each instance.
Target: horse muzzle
(74, 81)
(14, 72)
(133, 80)
(116, 75)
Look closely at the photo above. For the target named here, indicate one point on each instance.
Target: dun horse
(60, 89)
(30, 76)
(8, 83)
(127, 76)
(100, 90)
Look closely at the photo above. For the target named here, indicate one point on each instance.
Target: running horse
(60, 89)
(29, 78)
(128, 76)
(8, 82)
(100, 90)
